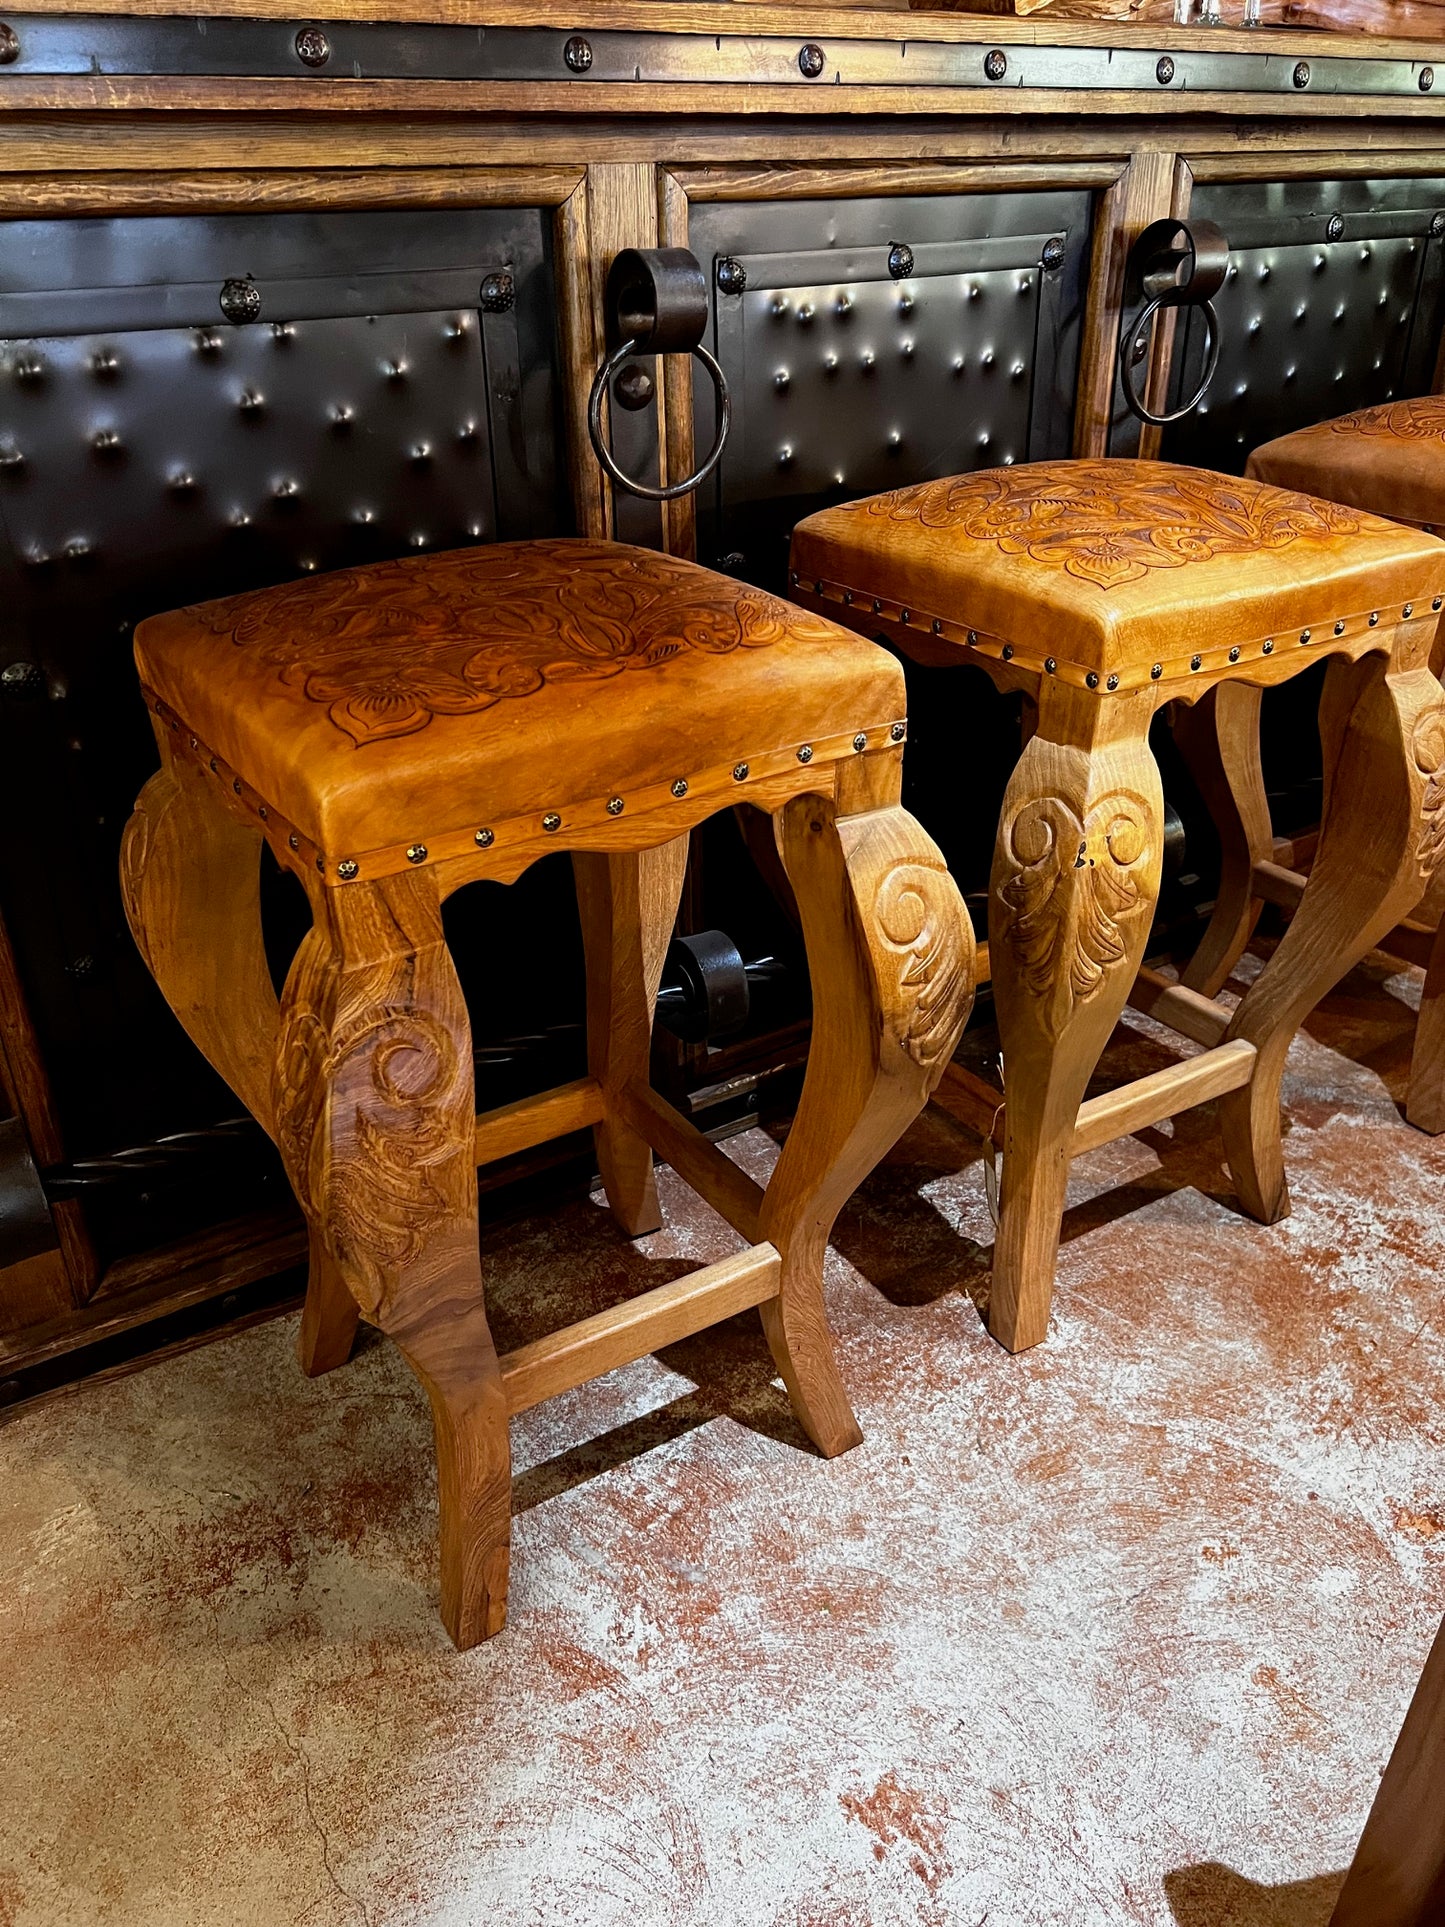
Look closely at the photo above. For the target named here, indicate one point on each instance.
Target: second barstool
(1104, 589)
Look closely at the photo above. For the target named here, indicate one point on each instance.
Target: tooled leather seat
(1390, 459)
(1112, 574)
(372, 708)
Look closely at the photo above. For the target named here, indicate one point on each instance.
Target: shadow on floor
(1213, 1895)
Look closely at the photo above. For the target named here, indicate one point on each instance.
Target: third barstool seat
(1391, 461)
(1104, 589)
(398, 731)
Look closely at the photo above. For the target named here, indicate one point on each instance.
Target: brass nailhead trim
(1194, 661)
(1269, 645)
(294, 841)
(1408, 610)
(679, 787)
(805, 753)
(321, 865)
(1050, 665)
(1234, 654)
(1091, 681)
(485, 839)
(347, 868)
(416, 853)
(937, 627)
(1439, 602)
(1008, 651)
(1157, 671)
(898, 731)
(1374, 617)
(860, 741)
(1304, 635)
(1113, 683)
(740, 772)
(551, 821)
(1339, 628)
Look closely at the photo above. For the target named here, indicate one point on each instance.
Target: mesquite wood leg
(1425, 1104)
(890, 956)
(1219, 739)
(190, 877)
(628, 905)
(1075, 880)
(375, 1109)
(190, 881)
(329, 1317)
(1381, 832)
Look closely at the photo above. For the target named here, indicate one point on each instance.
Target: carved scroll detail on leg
(890, 955)
(381, 1174)
(1068, 885)
(375, 1119)
(924, 930)
(1427, 752)
(1075, 879)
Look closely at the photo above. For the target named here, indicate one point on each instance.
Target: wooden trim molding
(273, 191)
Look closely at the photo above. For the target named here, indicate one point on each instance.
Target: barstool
(397, 731)
(1104, 589)
(1390, 460)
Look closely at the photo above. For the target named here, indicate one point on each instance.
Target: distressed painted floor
(1119, 1631)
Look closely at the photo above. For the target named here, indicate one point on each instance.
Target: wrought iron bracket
(1174, 264)
(656, 302)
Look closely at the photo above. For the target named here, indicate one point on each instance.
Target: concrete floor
(1120, 1631)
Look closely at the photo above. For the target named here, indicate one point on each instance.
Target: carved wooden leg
(191, 882)
(628, 905)
(1381, 833)
(1425, 1105)
(375, 1112)
(1219, 739)
(1075, 880)
(330, 1315)
(890, 955)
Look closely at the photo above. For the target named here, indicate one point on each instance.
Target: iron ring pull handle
(1178, 264)
(656, 303)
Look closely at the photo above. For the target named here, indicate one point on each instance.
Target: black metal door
(1333, 301)
(188, 407)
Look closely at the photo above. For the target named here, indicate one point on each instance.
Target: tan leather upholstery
(1113, 574)
(381, 707)
(1389, 459)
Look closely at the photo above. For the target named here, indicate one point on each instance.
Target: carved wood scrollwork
(374, 1111)
(1427, 750)
(1070, 886)
(923, 927)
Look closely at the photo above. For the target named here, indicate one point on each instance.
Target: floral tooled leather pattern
(389, 648)
(1112, 522)
(1421, 419)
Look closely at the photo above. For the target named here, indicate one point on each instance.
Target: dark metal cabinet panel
(1333, 302)
(849, 376)
(152, 453)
